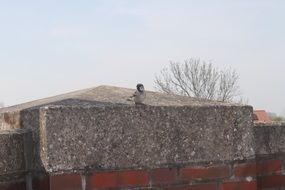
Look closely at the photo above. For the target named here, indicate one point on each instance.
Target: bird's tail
(130, 99)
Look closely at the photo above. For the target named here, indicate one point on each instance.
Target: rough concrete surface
(99, 128)
(12, 151)
(79, 137)
(269, 138)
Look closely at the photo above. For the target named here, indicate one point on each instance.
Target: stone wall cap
(269, 124)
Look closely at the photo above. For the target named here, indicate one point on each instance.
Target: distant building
(261, 116)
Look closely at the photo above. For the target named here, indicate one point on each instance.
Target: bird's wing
(132, 96)
(136, 93)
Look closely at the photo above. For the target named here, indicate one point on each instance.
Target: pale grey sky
(52, 47)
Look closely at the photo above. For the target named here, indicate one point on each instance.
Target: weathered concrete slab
(99, 128)
(269, 138)
(12, 153)
(78, 137)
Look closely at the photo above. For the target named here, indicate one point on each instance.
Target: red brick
(65, 182)
(204, 187)
(243, 170)
(117, 179)
(205, 173)
(240, 185)
(13, 186)
(271, 181)
(41, 183)
(253, 169)
(163, 175)
(194, 187)
(269, 166)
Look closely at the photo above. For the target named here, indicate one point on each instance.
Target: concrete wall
(95, 139)
(13, 151)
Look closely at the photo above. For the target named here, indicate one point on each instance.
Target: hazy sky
(56, 46)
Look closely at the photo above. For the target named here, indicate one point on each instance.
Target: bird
(139, 95)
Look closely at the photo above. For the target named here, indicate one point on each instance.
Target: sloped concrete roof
(114, 95)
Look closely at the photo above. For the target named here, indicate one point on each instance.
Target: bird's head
(140, 87)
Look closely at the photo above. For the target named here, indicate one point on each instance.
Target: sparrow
(139, 95)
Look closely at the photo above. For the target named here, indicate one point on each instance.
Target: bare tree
(198, 79)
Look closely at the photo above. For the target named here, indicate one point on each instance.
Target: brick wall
(250, 175)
